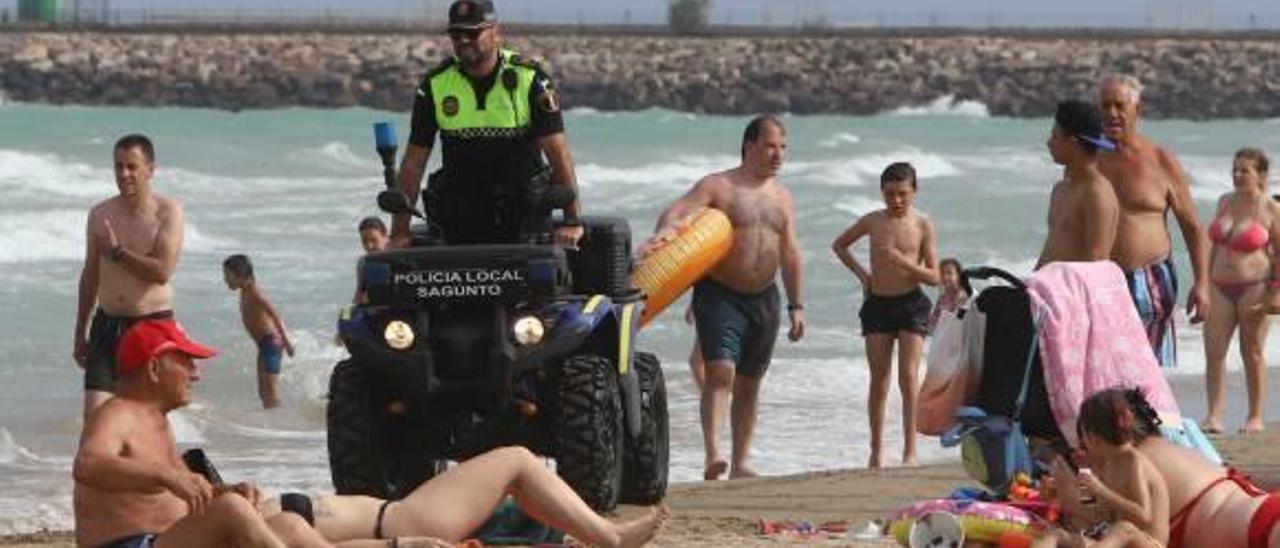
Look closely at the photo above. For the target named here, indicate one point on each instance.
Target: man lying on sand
(133, 490)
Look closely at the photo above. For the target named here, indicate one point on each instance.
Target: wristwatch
(792, 307)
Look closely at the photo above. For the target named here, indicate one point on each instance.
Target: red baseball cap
(150, 338)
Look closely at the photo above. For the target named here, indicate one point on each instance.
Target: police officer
(497, 114)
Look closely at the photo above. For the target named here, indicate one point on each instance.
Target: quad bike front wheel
(588, 431)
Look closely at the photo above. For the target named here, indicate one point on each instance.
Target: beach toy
(980, 521)
(1014, 540)
(936, 530)
(681, 258)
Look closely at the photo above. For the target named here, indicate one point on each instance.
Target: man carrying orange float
(736, 304)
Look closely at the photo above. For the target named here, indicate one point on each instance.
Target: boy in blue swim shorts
(263, 324)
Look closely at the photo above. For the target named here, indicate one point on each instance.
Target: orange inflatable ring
(681, 258)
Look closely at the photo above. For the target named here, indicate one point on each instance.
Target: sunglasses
(471, 34)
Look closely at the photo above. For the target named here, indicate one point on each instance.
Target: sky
(1038, 13)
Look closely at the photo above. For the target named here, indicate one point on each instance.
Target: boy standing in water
(373, 238)
(904, 254)
(263, 324)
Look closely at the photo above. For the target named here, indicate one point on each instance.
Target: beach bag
(993, 448)
(946, 378)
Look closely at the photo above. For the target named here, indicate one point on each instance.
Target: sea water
(287, 187)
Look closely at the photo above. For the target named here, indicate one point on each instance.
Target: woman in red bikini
(1242, 267)
(1210, 506)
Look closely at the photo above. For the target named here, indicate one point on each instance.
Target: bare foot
(1253, 426)
(714, 470)
(742, 472)
(909, 461)
(1211, 426)
(641, 530)
(874, 461)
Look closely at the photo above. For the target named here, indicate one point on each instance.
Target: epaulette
(527, 62)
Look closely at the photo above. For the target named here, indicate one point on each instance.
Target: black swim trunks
(104, 336)
(144, 540)
(909, 312)
(737, 327)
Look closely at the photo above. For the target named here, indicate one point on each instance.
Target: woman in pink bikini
(1242, 267)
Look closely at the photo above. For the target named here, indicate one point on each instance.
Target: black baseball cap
(471, 14)
(1083, 121)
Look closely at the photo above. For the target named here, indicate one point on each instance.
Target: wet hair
(239, 265)
(964, 281)
(1130, 83)
(897, 172)
(371, 223)
(1255, 155)
(756, 126)
(138, 141)
(1118, 416)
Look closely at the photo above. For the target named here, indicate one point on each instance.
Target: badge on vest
(450, 106)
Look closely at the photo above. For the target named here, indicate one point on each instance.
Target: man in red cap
(132, 489)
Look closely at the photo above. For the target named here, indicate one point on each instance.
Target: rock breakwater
(1014, 76)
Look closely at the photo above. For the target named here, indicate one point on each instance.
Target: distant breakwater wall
(1192, 78)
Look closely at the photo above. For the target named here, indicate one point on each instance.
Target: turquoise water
(288, 186)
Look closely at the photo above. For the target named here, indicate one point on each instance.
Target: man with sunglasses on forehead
(498, 115)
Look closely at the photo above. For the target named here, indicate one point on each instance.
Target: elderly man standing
(1149, 183)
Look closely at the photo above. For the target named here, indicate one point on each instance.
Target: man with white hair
(1149, 183)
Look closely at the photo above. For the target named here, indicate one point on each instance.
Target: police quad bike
(464, 348)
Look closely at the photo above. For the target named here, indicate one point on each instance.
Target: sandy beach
(725, 513)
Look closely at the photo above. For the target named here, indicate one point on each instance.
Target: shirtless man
(131, 487)
(1083, 211)
(904, 254)
(1149, 183)
(132, 245)
(134, 491)
(736, 304)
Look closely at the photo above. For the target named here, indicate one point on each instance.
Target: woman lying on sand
(1210, 505)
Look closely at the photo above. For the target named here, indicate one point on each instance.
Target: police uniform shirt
(477, 156)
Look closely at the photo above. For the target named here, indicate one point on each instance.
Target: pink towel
(1091, 339)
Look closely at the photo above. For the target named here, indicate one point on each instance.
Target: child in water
(1123, 481)
(263, 324)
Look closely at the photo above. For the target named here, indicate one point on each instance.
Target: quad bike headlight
(528, 330)
(398, 335)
